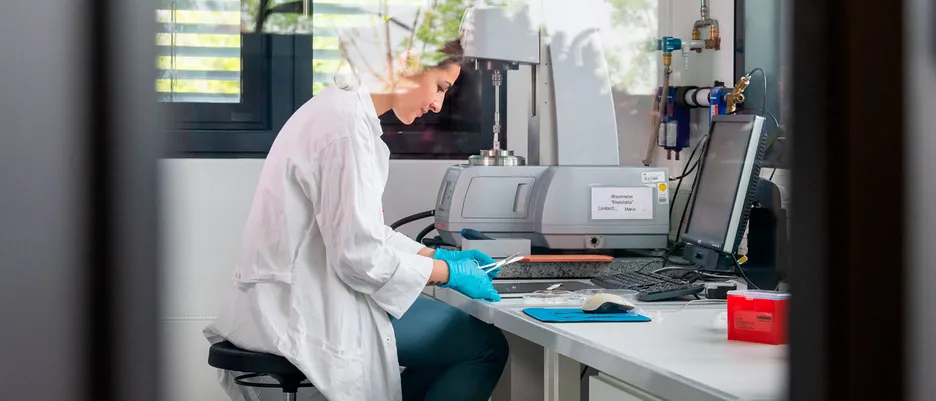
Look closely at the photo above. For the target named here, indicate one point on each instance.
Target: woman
(325, 283)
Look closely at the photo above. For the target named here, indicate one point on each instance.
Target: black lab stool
(226, 356)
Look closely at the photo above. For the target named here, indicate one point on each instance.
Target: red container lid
(761, 294)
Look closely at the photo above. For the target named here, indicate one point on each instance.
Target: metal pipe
(705, 22)
(659, 110)
(694, 44)
(713, 42)
(496, 77)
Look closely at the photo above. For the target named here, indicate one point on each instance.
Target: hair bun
(454, 53)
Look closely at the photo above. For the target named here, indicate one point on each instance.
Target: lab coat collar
(370, 110)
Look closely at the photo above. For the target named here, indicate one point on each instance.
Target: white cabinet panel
(606, 388)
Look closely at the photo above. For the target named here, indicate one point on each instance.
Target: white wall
(206, 201)
(205, 204)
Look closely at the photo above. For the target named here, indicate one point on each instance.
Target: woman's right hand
(470, 254)
(466, 277)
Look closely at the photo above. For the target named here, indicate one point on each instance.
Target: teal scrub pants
(448, 354)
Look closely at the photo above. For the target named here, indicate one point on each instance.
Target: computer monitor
(724, 189)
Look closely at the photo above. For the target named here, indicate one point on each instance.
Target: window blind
(199, 51)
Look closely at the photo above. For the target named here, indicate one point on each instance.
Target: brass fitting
(714, 42)
(736, 97)
(696, 35)
(667, 59)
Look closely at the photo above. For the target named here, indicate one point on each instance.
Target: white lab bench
(680, 355)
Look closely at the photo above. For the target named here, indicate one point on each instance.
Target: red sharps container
(758, 316)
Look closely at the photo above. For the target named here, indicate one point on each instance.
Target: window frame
(247, 114)
(213, 139)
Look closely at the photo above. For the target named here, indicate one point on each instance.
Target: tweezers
(501, 263)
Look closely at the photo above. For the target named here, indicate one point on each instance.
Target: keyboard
(651, 286)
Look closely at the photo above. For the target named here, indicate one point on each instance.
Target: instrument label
(622, 203)
(662, 193)
(653, 177)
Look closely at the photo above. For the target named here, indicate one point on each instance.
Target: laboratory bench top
(525, 270)
(680, 355)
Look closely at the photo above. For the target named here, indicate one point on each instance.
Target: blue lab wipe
(571, 315)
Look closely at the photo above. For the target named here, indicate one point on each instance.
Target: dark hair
(453, 53)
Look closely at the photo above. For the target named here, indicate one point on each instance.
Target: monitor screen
(716, 194)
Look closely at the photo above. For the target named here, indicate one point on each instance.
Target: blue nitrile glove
(471, 254)
(467, 278)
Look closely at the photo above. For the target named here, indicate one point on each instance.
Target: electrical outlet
(594, 242)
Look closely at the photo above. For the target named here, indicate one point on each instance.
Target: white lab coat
(319, 272)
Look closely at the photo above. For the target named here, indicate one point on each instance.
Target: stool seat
(227, 356)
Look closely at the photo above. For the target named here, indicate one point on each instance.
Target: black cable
(688, 163)
(667, 254)
(643, 266)
(779, 157)
(435, 242)
(695, 184)
(741, 272)
(764, 75)
(411, 218)
(762, 112)
(775, 120)
(686, 276)
(663, 259)
(422, 234)
(686, 173)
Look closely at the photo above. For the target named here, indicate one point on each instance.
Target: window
(210, 75)
(465, 124)
(230, 89)
(762, 36)
(200, 52)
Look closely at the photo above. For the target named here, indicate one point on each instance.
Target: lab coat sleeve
(356, 243)
(401, 242)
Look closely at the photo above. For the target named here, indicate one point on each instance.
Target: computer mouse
(607, 303)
